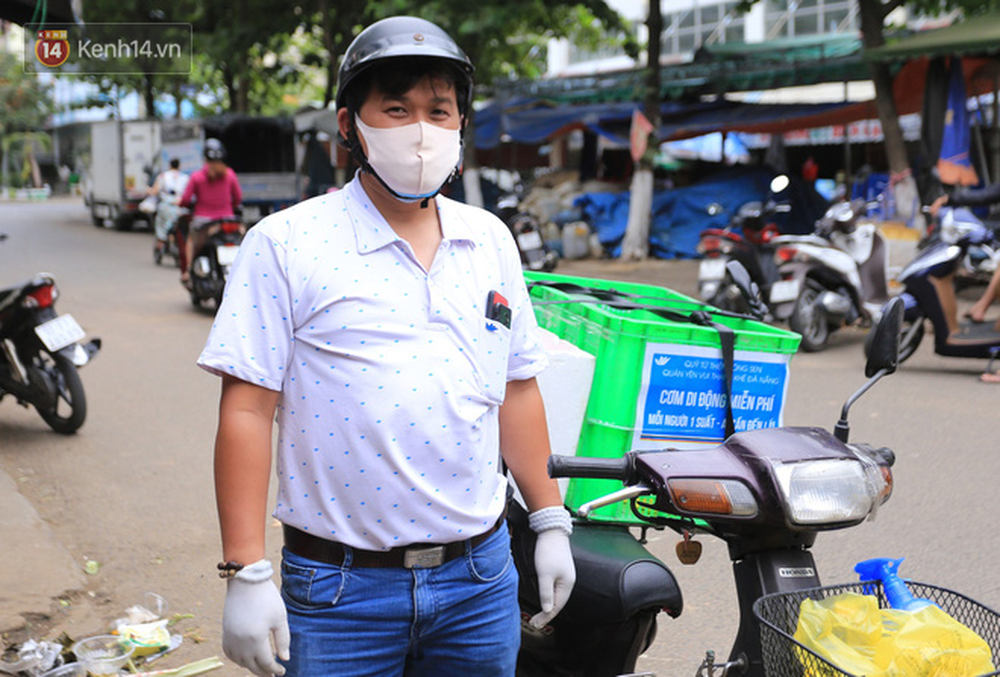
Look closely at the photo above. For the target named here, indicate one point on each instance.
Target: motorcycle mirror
(883, 358)
(780, 183)
(884, 352)
(714, 209)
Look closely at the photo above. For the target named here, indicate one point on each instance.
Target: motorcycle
(929, 291)
(210, 266)
(535, 254)
(41, 352)
(832, 278)
(767, 493)
(754, 248)
(980, 259)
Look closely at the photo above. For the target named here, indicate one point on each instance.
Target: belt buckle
(423, 558)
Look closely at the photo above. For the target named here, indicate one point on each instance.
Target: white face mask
(413, 160)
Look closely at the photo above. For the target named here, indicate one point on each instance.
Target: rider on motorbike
(215, 192)
(168, 187)
(977, 197)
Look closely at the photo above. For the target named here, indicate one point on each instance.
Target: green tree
(635, 244)
(874, 14)
(25, 106)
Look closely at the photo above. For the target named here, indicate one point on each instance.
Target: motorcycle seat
(616, 577)
(21, 287)
(6, 293)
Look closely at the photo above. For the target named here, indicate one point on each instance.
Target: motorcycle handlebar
(591, 468)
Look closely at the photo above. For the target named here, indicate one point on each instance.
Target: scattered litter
(33, 658)
(146, 638)
(103, 654)
(175, 642)
(140, 637)
(189, 670)
(67, 670)
(91, 567)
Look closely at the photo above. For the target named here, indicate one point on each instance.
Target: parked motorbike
(535, 254)
(40, 353)
(210, 266)
(767, 493)
(832, 278)
(929, 291)
(747, 238)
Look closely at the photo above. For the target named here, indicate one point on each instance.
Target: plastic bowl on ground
(103, 654)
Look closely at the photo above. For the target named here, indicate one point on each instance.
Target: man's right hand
(254, 623)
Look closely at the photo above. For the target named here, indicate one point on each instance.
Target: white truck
(261, 150)
(124, 157)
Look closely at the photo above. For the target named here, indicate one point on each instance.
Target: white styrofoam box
(565, 388)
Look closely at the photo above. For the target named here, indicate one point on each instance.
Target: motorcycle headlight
(831, 491)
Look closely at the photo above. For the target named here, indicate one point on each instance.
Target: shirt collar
(372, 231)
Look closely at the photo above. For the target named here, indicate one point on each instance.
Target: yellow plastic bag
(852, 633)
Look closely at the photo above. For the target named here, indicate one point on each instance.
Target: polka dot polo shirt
(390, 376)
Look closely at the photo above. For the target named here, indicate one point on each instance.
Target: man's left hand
(556, 574)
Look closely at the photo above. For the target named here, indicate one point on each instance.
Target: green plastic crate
(618, 339)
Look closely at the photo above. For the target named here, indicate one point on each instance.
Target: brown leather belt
(408, 557)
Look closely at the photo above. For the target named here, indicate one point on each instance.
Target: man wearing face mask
(390, 330)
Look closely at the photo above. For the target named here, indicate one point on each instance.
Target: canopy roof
(715, 70)
(975, 36)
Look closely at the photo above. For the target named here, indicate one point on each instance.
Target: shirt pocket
(494, 354)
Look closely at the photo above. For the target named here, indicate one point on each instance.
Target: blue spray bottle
(884, 569)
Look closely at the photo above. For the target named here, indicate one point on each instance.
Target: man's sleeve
(252, 335)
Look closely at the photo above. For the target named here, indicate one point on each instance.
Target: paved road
(132, 491)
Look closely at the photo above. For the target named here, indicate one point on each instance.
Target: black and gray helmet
(402, 36)
(214, 150)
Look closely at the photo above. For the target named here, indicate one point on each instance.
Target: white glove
(253, 618)
(553, 562)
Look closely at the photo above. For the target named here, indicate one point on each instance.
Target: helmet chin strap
(354, 148)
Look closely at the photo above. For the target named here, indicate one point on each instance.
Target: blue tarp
(533, 121)
(680, 214)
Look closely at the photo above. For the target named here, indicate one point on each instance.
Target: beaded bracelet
(229, 569)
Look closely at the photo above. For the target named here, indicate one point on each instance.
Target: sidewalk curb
(36, 567)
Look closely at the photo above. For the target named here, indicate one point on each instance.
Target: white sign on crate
(682, 403)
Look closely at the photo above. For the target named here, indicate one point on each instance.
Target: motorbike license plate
(529, 241)
(58, 333)
(712, 269)
(784, 290)
(226, 255)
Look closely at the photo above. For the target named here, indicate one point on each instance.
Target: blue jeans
(460, 619)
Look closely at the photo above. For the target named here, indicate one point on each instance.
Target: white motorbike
(832, 278)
